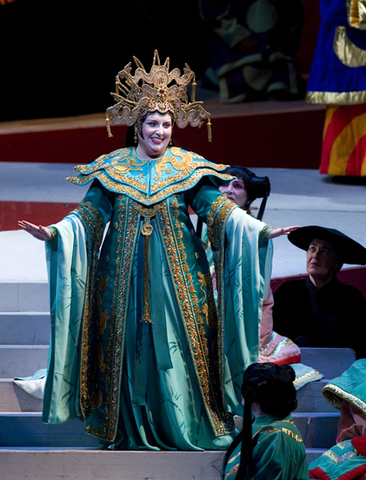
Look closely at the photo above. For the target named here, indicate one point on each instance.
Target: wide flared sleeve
(67, 297)
(243, 278)
(243, 262)
(72, 258)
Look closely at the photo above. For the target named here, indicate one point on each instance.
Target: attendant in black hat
(320, 311)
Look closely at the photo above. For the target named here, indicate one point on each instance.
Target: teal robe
(279, 452)
(347, 458)
(138, 348)
(344, 460)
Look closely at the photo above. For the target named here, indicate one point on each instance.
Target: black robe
(333, 316)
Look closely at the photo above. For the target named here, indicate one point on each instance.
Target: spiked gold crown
(158, 91)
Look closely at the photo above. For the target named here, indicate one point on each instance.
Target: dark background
(60, 58)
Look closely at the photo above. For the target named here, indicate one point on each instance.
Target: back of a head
(272, 387)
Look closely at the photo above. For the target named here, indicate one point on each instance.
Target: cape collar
(149, 181)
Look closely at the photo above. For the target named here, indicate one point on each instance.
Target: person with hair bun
(246, 188)
(243, 190)
(270, 447)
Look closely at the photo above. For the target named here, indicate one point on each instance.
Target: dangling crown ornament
(144, 93)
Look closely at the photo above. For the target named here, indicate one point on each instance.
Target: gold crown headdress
(144, 93)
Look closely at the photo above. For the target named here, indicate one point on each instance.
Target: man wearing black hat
(320, 311)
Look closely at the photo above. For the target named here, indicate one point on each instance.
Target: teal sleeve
(242, 257)
(72, 257)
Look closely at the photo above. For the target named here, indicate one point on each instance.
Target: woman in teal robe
(138, 349)
(279, 453)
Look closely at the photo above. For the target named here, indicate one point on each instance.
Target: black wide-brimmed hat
(347, 250)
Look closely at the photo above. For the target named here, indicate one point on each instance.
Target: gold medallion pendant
(147, 228)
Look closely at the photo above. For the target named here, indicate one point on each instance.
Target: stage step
(331, 362)
(314, 453)
(310, 398)
(32, 449)
(15, 399)
(24, 297)
(315, 418)
(22, 360)
(111, 465)
(87, 464)
(318, 430)
(25, 328)
(27, 430)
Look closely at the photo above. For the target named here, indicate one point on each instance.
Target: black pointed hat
(347, 250)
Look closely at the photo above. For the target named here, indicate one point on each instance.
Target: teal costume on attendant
(278, 454)
(347, 458)
(138, 348)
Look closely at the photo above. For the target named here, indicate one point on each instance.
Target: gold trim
(110, 373)
(234, 468)
(196, 168)
(186, 162)
(265, 349)
(347, 52)
(266, 230)
(216, 223)
(356, 13)
(146, 229)
(145, 199)
(118, 172)
(284, 430)
(193, 316)
(130, 163)
(336, 98)
(292, 435)
(269, 430)
(307, 376)
(128, 232)
(335, 458)
(335, 396)
(233, 458)
(53, 231)
(157, 91)
(93, 226)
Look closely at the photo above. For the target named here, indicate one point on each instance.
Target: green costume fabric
(343, 461)
(350, 386)
(347, 458)
(138, 349)
(279, 452)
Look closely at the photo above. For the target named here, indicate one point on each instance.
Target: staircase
(30, 449)
(316, 419)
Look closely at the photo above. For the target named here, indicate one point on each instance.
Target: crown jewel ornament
(157, 91)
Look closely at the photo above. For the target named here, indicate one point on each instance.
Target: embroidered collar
(145, 181)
